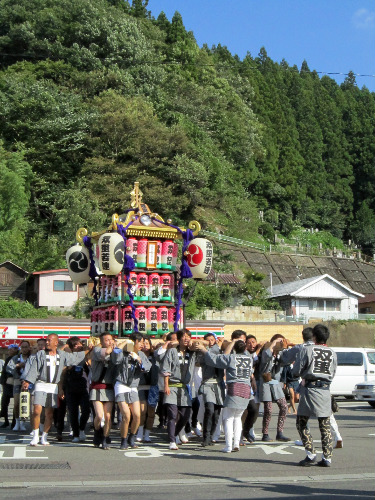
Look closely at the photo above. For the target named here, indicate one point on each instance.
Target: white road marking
(20, 453)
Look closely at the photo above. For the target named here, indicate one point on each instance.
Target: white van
(354, 365)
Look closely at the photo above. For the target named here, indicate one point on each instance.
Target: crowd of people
(193, 386)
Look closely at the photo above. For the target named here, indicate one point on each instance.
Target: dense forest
(97, 94)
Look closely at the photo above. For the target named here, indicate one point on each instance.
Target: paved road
(257, 471)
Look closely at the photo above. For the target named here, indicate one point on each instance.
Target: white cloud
(364, 19)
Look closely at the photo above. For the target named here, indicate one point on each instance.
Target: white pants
(232, 426)
(334, 428)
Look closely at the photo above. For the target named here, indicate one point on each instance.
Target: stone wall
(241, 313)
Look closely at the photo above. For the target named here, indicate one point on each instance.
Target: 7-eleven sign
(8, 331)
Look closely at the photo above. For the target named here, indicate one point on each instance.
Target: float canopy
(145, 223)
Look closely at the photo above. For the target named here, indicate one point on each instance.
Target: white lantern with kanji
(199, 257)
(111, 253)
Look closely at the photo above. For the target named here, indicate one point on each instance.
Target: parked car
(354, 366)
(365, 391)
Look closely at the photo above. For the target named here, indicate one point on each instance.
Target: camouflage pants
(325, 433)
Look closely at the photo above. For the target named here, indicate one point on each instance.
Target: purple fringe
(129, 265)
(185, 271)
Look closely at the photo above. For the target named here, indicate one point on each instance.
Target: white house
(320, 297)
(54, 289)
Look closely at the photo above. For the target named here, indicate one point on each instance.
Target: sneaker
(250, 438)
(280, 437)
(298, 442)
(173, 446)
(146, 438)
(266, 438)
(197, 431)
(324, 463)
(307, 462)
(59, 437)
(236, 448)
(339, 444)
(22, 426)
(16, 428)
(226, 450)
(82, 436)
(140, 433)
(75, 439)
(206, 442)
(183, 438)
(178, 440)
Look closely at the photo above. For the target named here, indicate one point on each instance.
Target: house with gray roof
(319, 297)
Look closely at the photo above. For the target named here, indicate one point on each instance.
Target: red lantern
(158, 255)
(142, 287)
(171, 318)
(154, 287)
(132, 249)
(165, 288)
(163, 325)
(141, 315)
(167, 254)
(142, 253)
(152, 321)
(127, 320)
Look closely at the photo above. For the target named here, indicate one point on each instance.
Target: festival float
(137, 273)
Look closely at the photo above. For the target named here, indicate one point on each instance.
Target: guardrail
(237, 241)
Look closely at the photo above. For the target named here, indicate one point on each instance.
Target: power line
(186, 63)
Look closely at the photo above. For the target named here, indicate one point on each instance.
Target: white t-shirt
(52, 366)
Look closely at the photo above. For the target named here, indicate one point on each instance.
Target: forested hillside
(97, 94)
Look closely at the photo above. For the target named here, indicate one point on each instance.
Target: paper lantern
(166, 288)
(78, 262)
(171, 318)
(95, 323)
(163, 325)
(174, 256)
(142, 287)
(199, 257)
(142, 253)
(113, 320)
(152, 321)
(116, 288)
(167, 254)
(127, 320)
(158, 255)
(133, 286)
(24, 404)
(105, 289)
(111, 253)
(154, 287)
(132, 249)
(141, 315)
(172, 287)
(105, 320)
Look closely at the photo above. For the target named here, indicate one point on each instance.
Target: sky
(333, 36)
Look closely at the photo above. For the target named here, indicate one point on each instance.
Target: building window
(324, 305)
(64, 286)
(333, 305)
